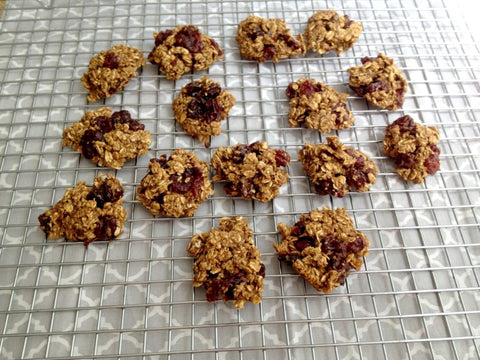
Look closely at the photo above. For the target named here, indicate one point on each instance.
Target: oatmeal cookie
(108, 139)
(87, 213)
(318, 106)
(201, 106)
(263, 40)
(336, 169)
(323, 247)
(227, 263)
(251, 171)
(183, 49)
(414, 148)
(327, 30)
(175, 186)
(109, 71)
(379, 81)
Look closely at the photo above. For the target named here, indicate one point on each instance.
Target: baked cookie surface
(227, 263)
(413, 147)
(108, 139)
(175, 186)
(251, 171)
(87, 213)
(327, 30)
(261, 40)
(201, 106)
(182, 50)
(110, 71)
(317, 106)
(335, 169)
(322, 247)
(379, 81)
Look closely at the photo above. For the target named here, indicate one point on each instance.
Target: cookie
(379, 81)
(110, 71)
(413, 147)
(227, 263)
(108, 139)
(335, 169)
(261, 40)
(327, 30)
(251, 171)
(318, 106)
(200, 107)
(182, 50)
(87, 213)
(175, 186)
(323, 247)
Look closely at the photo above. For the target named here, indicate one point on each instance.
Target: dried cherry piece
(261, 272)
(217, 47)
(194, 88)
(135, 125)
(105, 124)
(405, 124)
(376, 86)
(191, 180)
(432, 163)
(348, 22)
(290, 92)
(308, 88)
(87, 142)
(282, 158)
(366, 59)
(405, 161)
(45, 223)
(111, 61)
(298, 229)
(232, 281)
(189, 38)
(106, 226)
(290, 42)
(356, 245)
(255, 33)
(213, 290)
(162, 160)
(269, 52)
(121, 117)
(104, 194)
(162, 36)
(304, 242)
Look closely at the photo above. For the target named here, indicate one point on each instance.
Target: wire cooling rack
(417, 295)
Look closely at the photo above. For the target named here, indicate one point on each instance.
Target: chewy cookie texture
(414, 148)
(108, 139)
(335, 169)
(201, 106)
(318, 106)
(182, 50)
(227, 263)
(109, 71)
(175, 186)
(323, 247)
(251, 171)
(379, 81)
(87, 213)
(261, 40)
(327, 30)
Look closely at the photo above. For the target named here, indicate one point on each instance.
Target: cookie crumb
(379, 81)
(110, 71)
(335, 169)
(413, 147)
(323, 247)
(227, 263)
(87, 213)
(318, 106)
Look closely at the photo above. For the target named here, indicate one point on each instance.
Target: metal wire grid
(417, 295)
